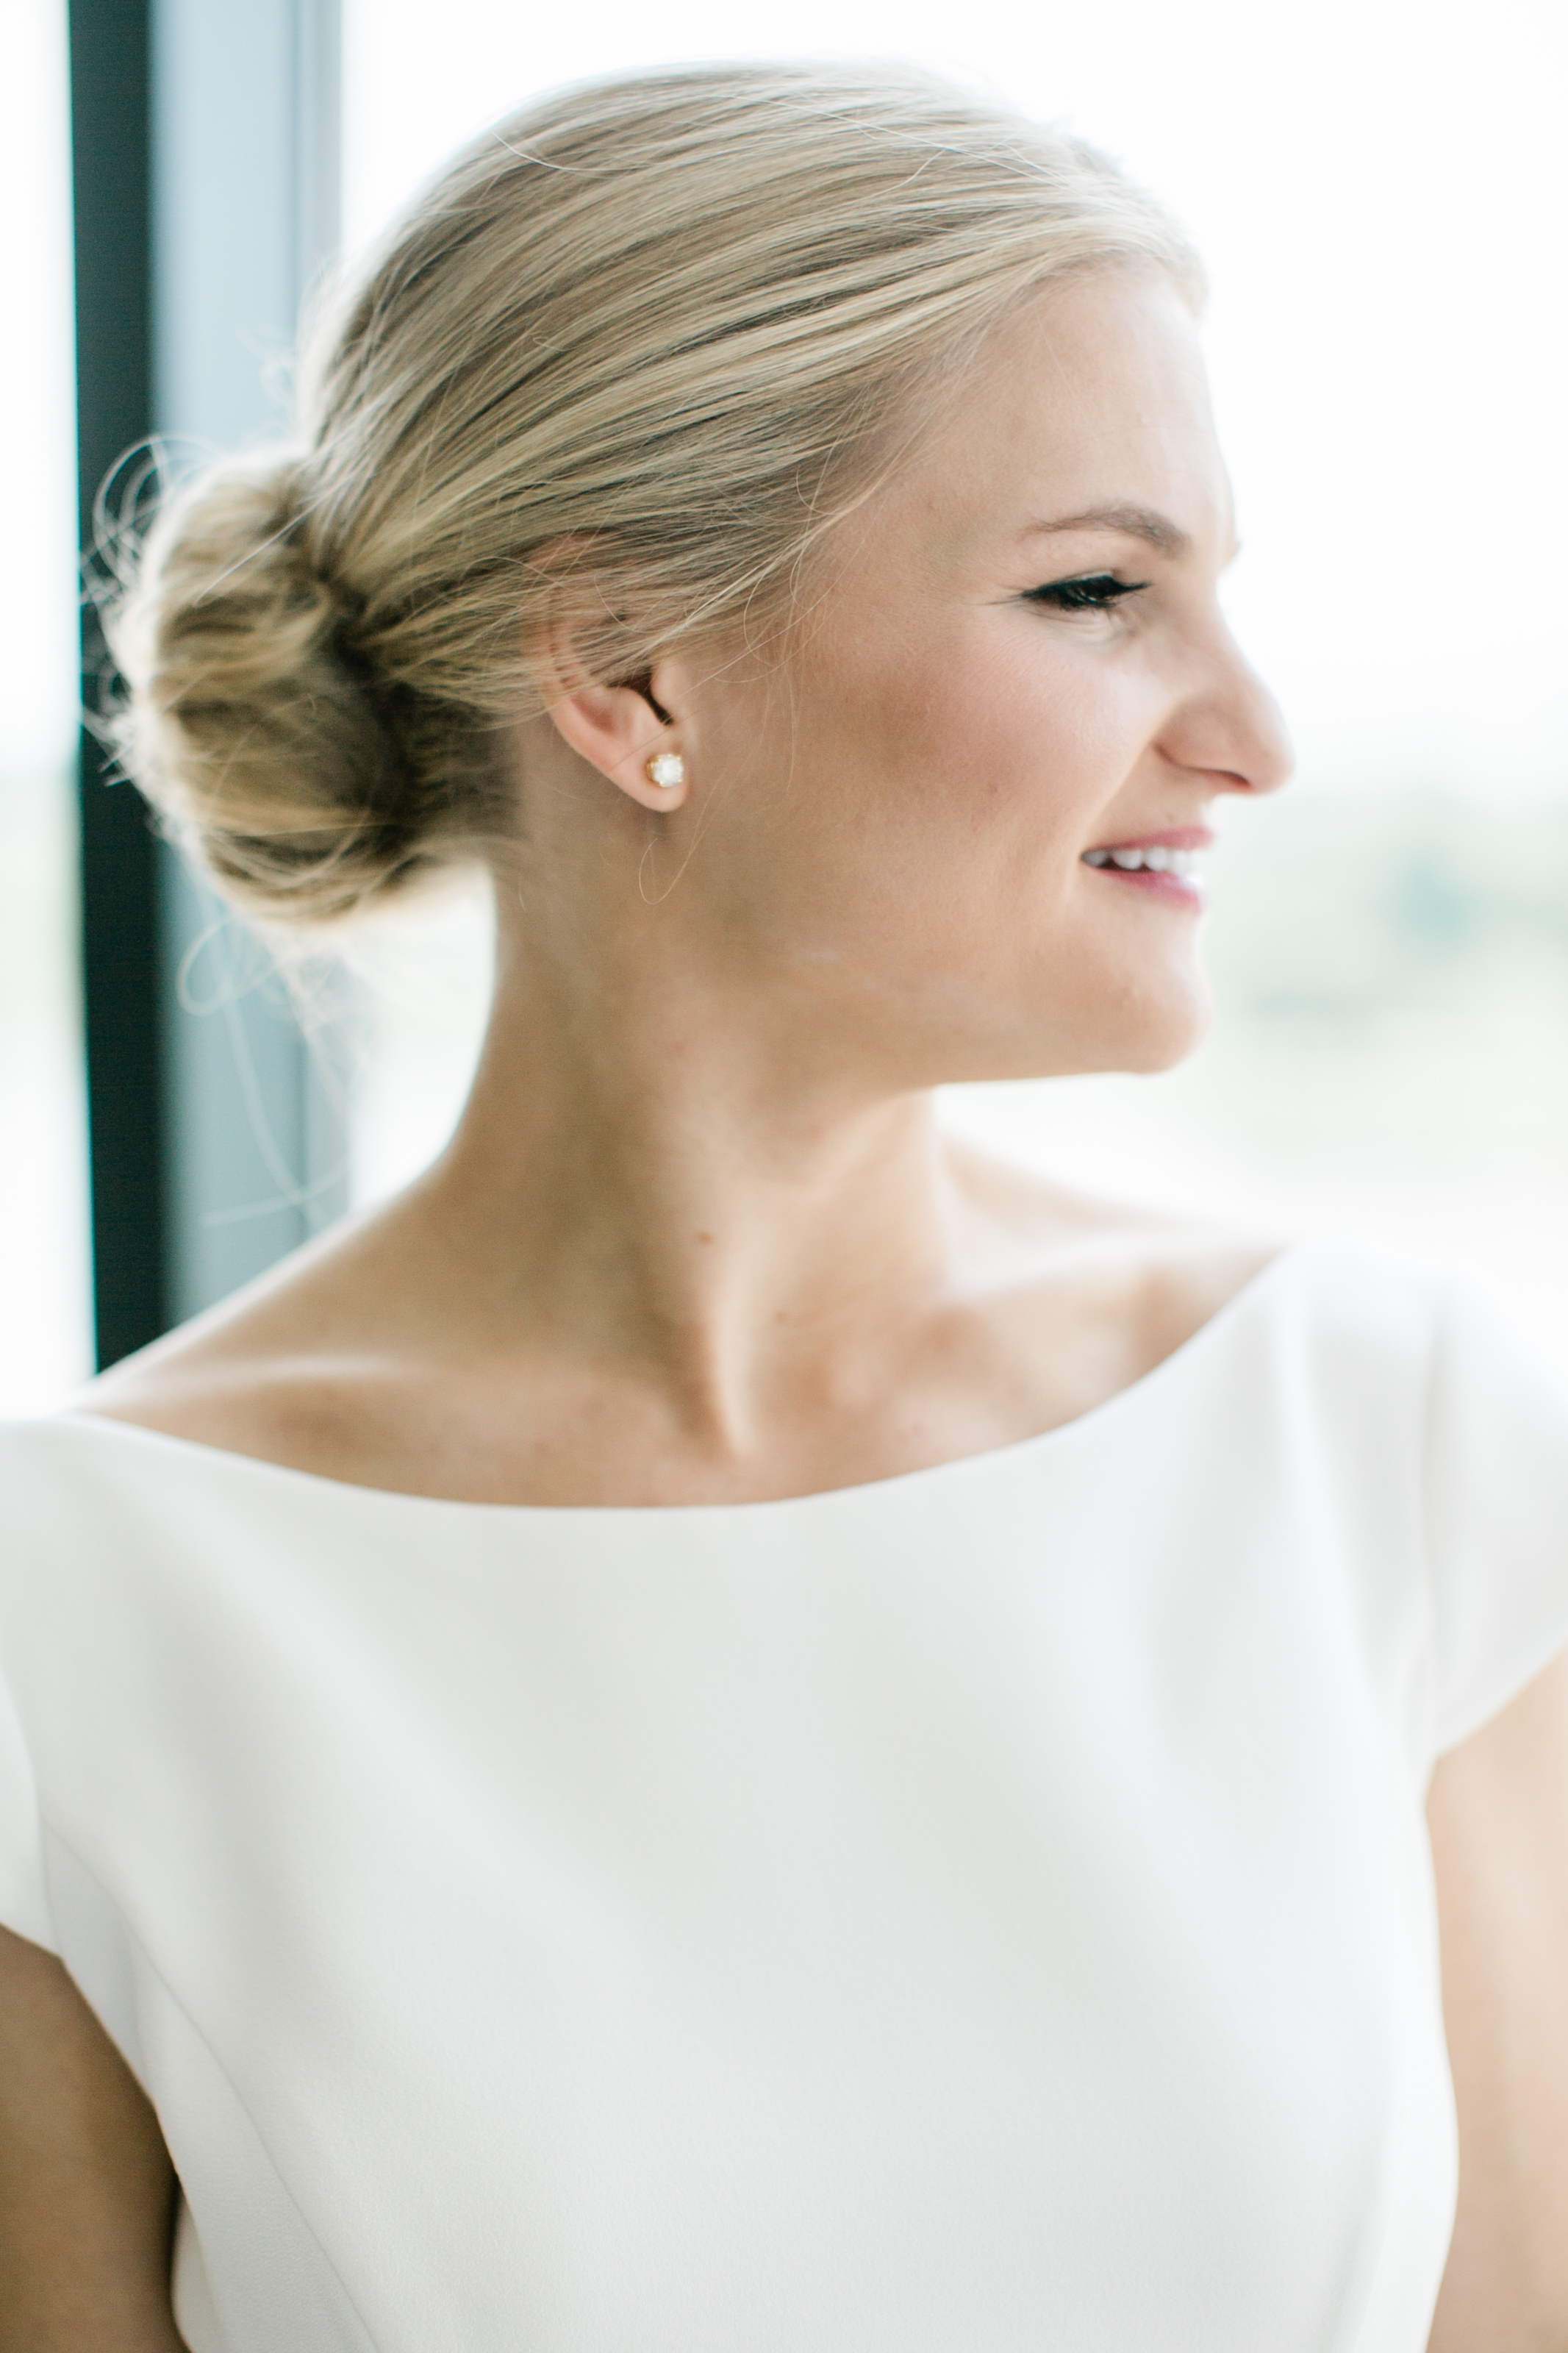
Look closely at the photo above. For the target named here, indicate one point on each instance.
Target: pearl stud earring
(667, 769)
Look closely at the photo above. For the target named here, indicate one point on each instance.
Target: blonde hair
(658, 331)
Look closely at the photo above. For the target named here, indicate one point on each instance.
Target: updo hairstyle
(659, 332)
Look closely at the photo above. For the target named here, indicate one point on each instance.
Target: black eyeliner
(1097, 592)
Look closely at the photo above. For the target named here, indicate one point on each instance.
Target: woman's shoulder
(1415, 1393)
(1161, 1277)
(289, 1371)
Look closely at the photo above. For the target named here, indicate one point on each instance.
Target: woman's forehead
(1088, 414)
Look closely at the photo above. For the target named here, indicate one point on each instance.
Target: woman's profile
(727, 1729)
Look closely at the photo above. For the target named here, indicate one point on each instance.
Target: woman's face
(963, 824)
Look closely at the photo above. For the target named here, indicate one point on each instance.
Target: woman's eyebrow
(1133, 522)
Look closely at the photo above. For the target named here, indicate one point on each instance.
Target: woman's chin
(1141, 1033)
(1163, 1042)
(1142, 1053)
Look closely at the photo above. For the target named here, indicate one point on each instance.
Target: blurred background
(1380, 191)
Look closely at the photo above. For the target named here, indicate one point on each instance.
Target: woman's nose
(1231, 727)
(1271, 761)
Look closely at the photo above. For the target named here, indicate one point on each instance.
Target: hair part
(644, 343)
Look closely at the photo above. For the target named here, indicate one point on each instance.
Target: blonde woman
(727, 1729)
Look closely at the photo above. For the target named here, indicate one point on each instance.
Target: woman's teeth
(1153, 861)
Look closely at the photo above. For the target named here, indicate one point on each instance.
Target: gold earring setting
(667, 769)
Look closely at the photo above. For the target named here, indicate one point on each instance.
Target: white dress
(988, 1911)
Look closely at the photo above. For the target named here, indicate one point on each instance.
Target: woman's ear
(623, 730)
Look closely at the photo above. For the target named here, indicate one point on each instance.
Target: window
(45, 1315)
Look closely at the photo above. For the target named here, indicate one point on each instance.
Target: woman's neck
(639, 1179)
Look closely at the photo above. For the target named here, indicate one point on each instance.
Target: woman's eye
(1096, 593)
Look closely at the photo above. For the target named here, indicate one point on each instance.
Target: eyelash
(1095, 592)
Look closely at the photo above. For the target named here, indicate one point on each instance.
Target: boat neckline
(1241, 1301)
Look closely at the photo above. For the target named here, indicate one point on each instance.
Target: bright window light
(45, 1312)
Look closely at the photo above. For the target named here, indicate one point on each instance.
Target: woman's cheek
(1055, 742)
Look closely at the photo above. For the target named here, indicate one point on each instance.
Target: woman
(728, 1727)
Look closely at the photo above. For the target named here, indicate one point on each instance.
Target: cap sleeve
(24, 1905)
(24, 1902)
(1497, 1515)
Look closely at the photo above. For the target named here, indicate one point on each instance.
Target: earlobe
(624, 731)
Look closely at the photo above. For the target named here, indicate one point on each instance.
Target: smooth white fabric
(988, 1909)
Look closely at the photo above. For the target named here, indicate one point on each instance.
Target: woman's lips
(1163, 865)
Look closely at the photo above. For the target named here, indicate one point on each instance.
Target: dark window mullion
(111, 181)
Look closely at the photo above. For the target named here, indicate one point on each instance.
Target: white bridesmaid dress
(988, 1911)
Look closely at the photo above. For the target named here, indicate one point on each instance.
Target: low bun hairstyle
(656, 332)
(251, 723)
